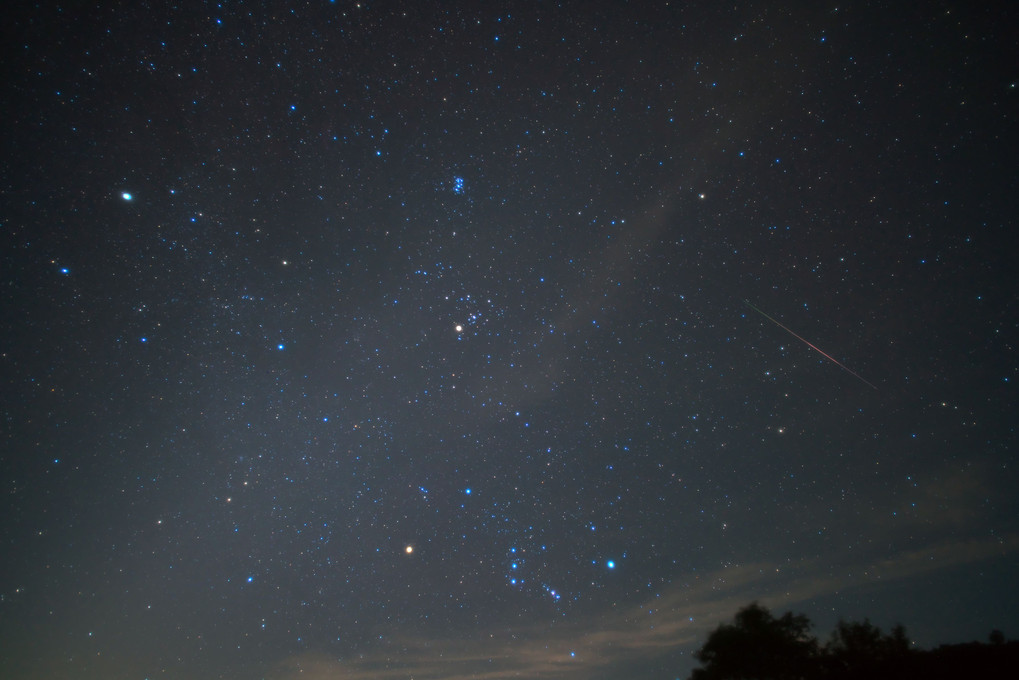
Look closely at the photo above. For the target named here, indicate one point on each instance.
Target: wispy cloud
(677, 620)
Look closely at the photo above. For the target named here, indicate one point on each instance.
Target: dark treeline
(760, 646)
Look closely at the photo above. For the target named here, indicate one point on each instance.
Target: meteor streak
(812, 346)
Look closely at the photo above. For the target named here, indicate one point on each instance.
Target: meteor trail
(812, 346)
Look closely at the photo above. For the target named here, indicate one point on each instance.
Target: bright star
(126, 196)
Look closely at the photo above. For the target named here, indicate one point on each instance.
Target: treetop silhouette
(759, 646)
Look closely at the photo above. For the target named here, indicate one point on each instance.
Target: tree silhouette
(757, 645)
(862, 650)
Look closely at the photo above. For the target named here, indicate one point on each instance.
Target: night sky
(501, 340)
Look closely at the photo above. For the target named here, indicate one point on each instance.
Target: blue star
(126, 196)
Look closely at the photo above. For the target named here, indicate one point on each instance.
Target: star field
(391, 340)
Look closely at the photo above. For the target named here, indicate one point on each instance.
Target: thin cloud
(678, 620)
